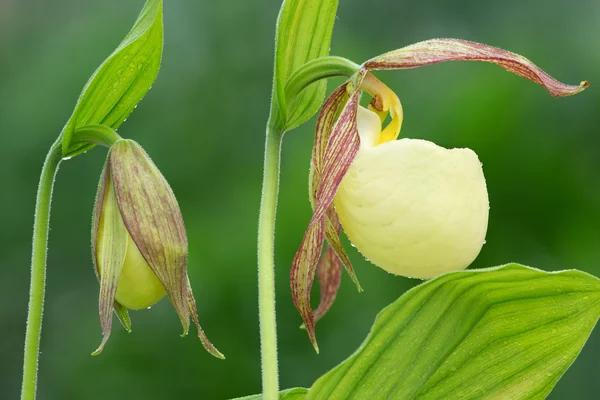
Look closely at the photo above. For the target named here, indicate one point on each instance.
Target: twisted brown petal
(439, 50)
(329, 269)
(327, 117)
(339, 153)
(329, 272)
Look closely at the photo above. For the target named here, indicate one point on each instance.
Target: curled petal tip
(208, 346)
(100, 348)
(310, 329)
(584, 84)
(316, 347)
(216, 353)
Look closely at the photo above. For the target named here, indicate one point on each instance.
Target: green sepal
(505, 333)
(123, 316)
(121, 81)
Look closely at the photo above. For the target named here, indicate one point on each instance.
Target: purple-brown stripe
(439, 50)
(342, 146)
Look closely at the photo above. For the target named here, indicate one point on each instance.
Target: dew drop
(148, 308)
(485, 241)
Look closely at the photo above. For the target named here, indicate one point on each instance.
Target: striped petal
(109, 250)
(327, 118)
(329, 273)
(341, 148)
(439, 50)
(329, 269)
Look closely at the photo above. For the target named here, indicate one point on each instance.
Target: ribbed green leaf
(503, 333)
(288, 394)
(122, 80)
(304, 29)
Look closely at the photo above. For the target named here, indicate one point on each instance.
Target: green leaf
(118, 85)
(503, 333)
(288, 394)
(304, 29)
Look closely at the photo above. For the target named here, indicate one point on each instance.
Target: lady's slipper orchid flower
(411, 207)
(139, 243)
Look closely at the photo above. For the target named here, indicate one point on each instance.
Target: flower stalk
(266, 266)
(87, 135)
(38, 271)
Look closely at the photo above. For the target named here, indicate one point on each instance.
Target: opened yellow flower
(409, 206)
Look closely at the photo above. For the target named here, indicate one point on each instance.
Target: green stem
(266, 270)
(38, 271)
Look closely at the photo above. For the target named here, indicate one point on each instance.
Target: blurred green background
(203, 124)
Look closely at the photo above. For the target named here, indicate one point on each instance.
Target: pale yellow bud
(412, 207)
(139, 243)
(138, 286)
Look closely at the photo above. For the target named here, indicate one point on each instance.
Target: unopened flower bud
(139, 243)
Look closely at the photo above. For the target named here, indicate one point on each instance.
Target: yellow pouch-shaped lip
(411, 207)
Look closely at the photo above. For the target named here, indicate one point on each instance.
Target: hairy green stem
(266, 268)
(38, 271)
